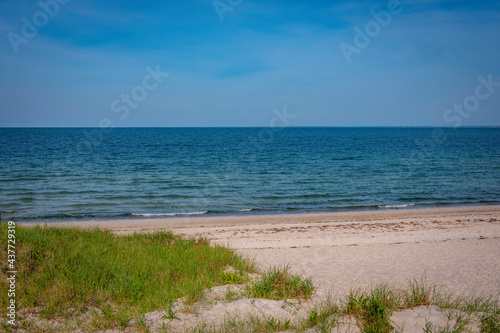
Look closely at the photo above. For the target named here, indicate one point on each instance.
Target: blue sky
(262, 55)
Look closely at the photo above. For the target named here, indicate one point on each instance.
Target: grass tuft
(278, 283)
(231, 278)
(418, 293)
(490, 323)
(373, 309)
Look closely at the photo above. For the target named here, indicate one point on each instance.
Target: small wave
(415, 199)
(349, 158)
(352, 207)
(169, 214)
(299, 196)
(396, 206)
(244, 210)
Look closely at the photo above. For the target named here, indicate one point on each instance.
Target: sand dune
(456, 248)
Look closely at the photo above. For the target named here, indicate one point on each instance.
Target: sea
(71, 174)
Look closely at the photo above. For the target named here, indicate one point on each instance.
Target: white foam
(244, 210)
(170, 214)
(397, 206)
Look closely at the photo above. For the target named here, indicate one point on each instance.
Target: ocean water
(82, 174)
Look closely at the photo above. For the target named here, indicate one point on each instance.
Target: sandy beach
(457, 248)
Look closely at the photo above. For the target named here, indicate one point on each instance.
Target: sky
(183, 63)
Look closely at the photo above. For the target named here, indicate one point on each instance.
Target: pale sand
(456, 248)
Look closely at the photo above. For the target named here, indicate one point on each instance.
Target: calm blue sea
(82, 174)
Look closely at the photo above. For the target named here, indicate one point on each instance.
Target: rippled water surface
(68, 174)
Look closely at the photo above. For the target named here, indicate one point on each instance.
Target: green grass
(278, 283)
(232, 278)
(373, 308)
(370, 311)
(490, 323)
(63, 269)
(418, 293)
(250, 324)
(373, 311)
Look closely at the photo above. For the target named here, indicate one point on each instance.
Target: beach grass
(372, 308)
(278, 283)
(69, 271)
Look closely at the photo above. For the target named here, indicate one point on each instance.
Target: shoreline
(249, 213)
(219, 220)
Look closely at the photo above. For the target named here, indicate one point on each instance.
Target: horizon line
(284, 127)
